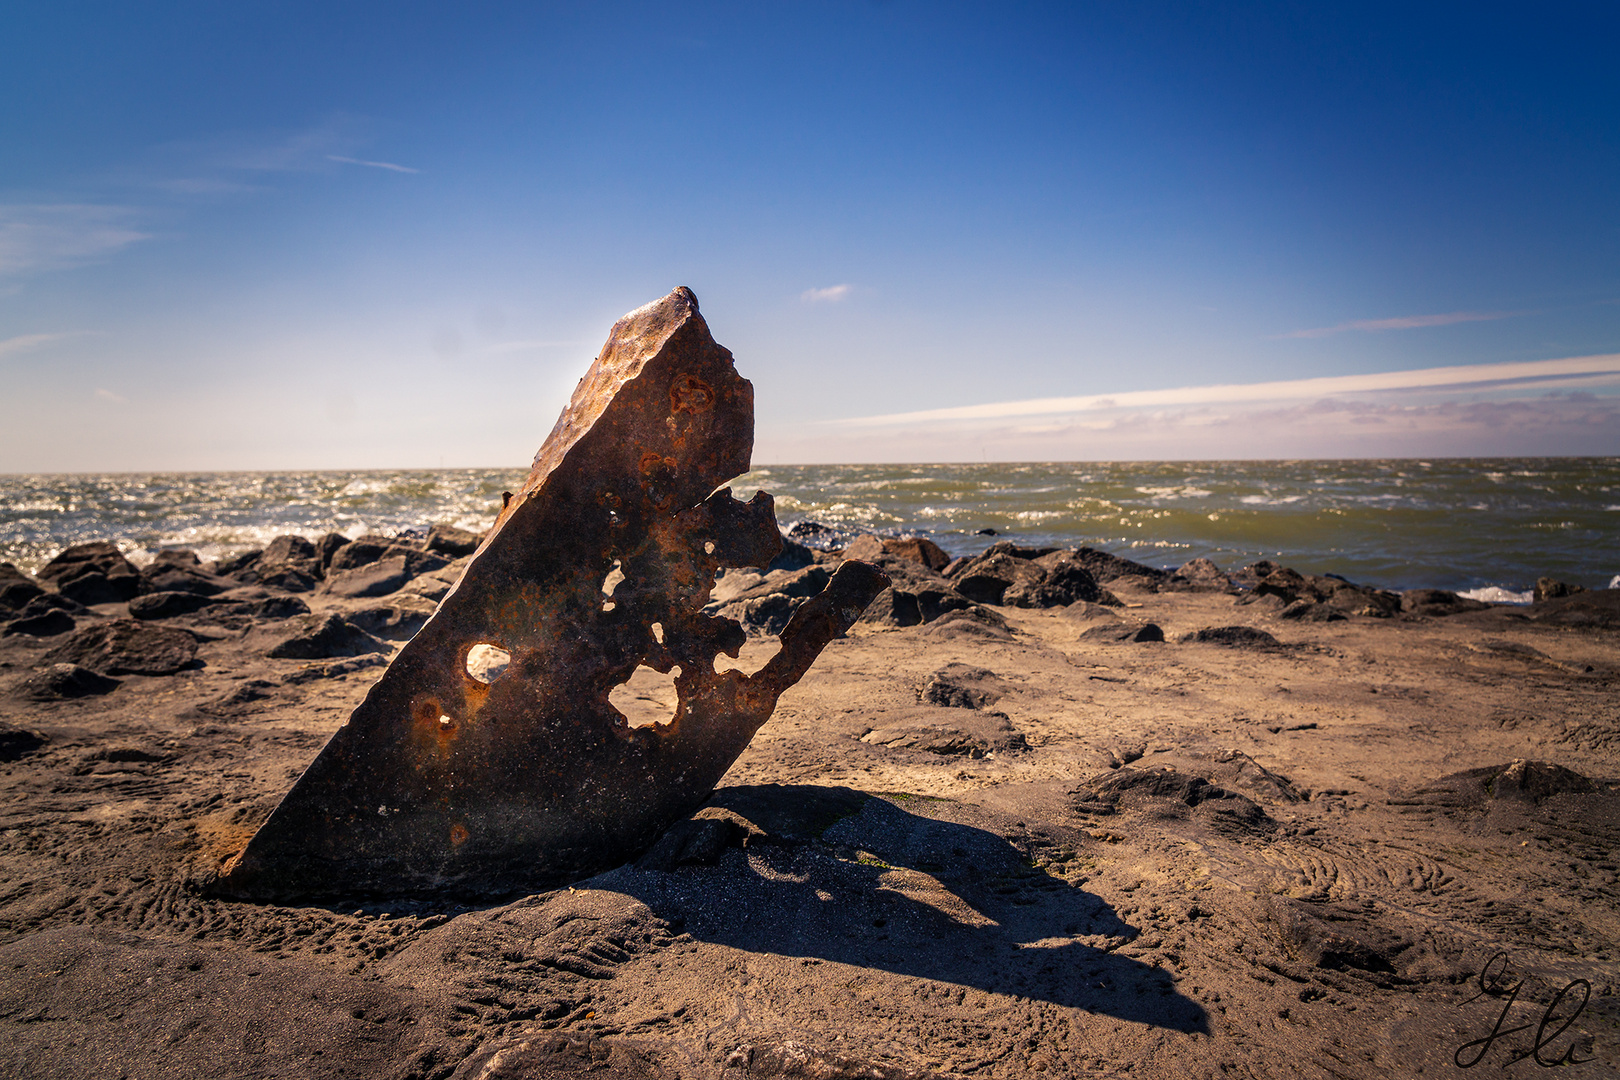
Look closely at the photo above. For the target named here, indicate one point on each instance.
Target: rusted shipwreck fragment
(453, 775)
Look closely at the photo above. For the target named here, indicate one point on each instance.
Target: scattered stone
(16, 742)
(16, 588)
(893, 607)
(1240, 637)
(986, 579)
(1129, 788)
(450, 541)
(166, 605)
(93, 573)
(44, 624)
(793, 556)
(1124, 632)
(1552, 589)
(319, 637)
(1595, 610)
(335, 668)
(233, 565)
(1197, 575)
(960, 732)
(127, 647)
(60, 682)
(327, 546)
(373, 579)
(179, 570)
(962, 686)
(1437, 602)
(917, 549)
(397, 621)
(972, 621)
(1311, 611)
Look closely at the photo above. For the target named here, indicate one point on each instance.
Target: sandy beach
(1011, 841)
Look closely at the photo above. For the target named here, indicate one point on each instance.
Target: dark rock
(793, 556)
(1124, 632)
(1129, 788)
(232, 565)
(1336, 942)
(699, 840)
(179, 570)
(1105, 567)
(16, 588)
(166, 605)
(1068, 580)
(452, 542)
(39, 605)
(327, 546)
(934, 602)
(97, 557)
(16, 742)
(962, 686)
(986, 579)
(98, 588)
(985, 532)
(870, 547)
(287, 549)
(1437, 602)
(374, 579)
(763, 615)
(1311, 611)
(1289, 585)
(127, 647)
(1551, 589)
(288, 578)
(1197, 575)
(1254, 573)
(1596, 610)
(893, 607)
(60, 682)
(957, 732)
(320, 637)
(393, 622)
(970, 622)
(1241, 637)
(45, 624)
(359, 552)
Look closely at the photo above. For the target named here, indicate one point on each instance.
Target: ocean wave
(1496, 594)
(1270, 500)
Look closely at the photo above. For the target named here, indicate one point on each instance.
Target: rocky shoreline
(1042, 810)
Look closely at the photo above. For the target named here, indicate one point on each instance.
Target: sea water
(1487, 526)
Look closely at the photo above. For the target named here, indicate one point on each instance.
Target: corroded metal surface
(458, 775)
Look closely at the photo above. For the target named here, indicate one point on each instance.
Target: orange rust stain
(458, 834)
(431, 729)
(690, 394)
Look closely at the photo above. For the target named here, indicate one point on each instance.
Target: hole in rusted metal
(611, 582)
(446, 721)
(708, 547)
(486, 663)
(647, 698)
(458, 834)
(658, 632)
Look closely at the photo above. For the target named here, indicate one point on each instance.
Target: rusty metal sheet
(453, 774)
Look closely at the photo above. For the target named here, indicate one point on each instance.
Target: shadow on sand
(837, 875)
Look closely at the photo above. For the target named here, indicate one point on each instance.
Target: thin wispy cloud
(1584, 370)
(372, 164)
(107, 395)
(831, 294)
(1405, 322)
(54, 236)
(24, 342)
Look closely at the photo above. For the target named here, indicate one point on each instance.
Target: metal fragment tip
(488, 757)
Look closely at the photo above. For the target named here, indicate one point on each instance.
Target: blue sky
(283, 236)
